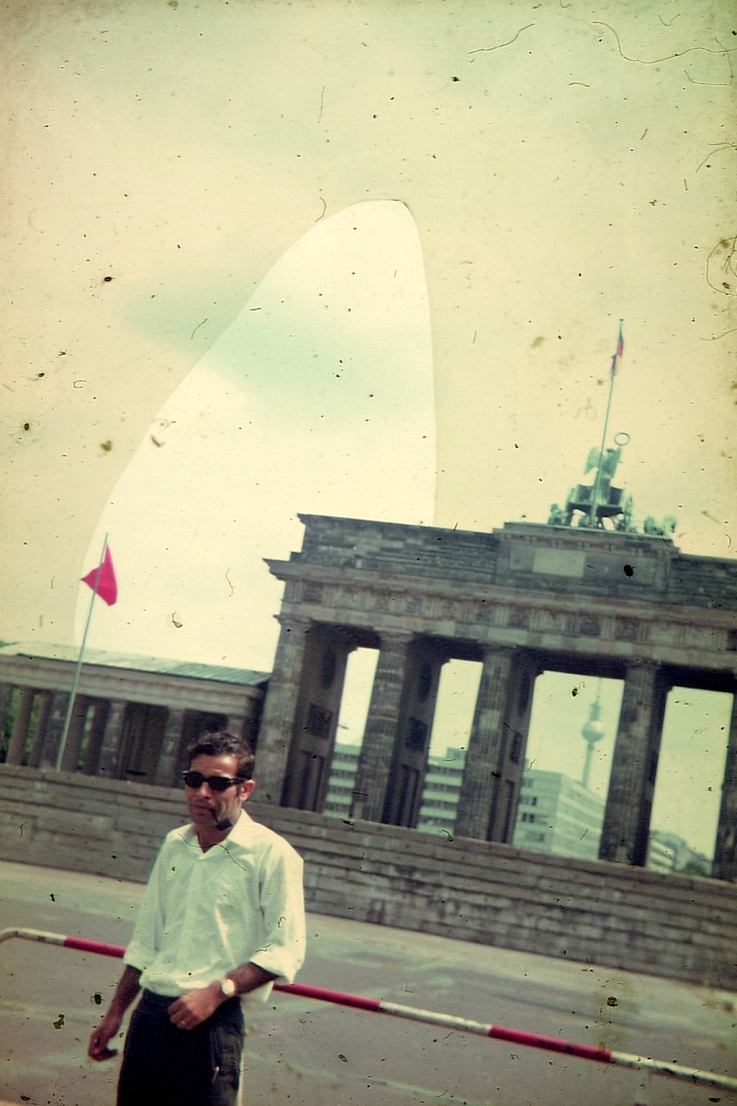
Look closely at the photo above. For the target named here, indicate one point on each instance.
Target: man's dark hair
(224, 743)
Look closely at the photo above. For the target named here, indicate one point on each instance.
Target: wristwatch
(228, 987)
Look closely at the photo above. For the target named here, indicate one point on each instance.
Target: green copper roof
(244, 676)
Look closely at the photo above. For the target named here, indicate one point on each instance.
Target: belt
(166, 1000)
(159, 1000)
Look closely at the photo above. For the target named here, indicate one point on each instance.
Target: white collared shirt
(204, 914)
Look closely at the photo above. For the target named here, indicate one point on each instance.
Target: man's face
(204, 803)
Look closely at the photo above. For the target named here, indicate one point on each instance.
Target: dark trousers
(166, 1066)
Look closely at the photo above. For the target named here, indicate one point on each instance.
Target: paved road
(307, 1053)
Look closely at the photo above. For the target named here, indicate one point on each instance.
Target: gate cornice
(494, 594)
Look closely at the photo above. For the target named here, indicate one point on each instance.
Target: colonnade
(112, 738)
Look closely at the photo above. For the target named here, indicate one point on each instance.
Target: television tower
(592, 732)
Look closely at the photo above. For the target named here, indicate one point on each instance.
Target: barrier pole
(461, 1025)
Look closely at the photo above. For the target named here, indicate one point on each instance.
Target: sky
(179, 265)
(318, 399)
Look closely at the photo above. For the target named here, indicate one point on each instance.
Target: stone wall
(676, 926)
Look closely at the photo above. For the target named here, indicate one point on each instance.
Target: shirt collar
(240, 832)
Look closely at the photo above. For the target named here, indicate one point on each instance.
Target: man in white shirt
(222, 916)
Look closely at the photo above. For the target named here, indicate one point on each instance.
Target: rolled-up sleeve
(283, 911)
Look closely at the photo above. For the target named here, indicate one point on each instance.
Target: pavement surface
(303, 1052)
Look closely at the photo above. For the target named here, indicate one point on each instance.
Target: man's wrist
(228, 987)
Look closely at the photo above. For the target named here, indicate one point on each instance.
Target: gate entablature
(517, 587)
(519, 599)
(522, 554)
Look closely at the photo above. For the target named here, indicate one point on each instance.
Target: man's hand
(125, 992)
(196, 1006)
(107, 1029)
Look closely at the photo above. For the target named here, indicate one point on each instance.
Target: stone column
(237, 725)
(315, 717)
(406, 784)
(77, 723)
(280, 707)
(624, 835)
(111, 740)
(725, 848)
(377, 751)
(19, 736)
(251, 720)
(486, 747)
(97, 733)
(54, 727)
(39, 733)
(170, 746)
(6, 690)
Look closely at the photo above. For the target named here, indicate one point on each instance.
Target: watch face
(227, 986)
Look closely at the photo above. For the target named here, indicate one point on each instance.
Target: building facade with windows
(669, 852)
(442, 790)
(558, 815)
(439, 800)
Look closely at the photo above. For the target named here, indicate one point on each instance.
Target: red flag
(107, 585)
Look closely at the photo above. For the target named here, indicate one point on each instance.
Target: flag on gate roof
(102, 579)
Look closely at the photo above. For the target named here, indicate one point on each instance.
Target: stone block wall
(659, 572)
(421, 551)
(703, 582)
(675, 926)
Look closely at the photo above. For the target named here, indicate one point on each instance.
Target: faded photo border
(525, 178)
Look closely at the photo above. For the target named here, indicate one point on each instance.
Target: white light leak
(317, 399)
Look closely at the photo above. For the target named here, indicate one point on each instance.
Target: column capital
(641, 664)
(388, 638)
(289, 620)
(490, 651)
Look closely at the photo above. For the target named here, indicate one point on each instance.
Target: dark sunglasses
(215, 783)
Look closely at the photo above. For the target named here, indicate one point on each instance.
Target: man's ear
(246, 788)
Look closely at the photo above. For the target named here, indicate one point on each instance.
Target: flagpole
(597, 481)
(78, 669)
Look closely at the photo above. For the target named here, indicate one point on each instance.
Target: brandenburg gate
(520, 600)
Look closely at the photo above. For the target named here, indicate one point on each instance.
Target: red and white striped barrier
(80, 943)
(462, 1025)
